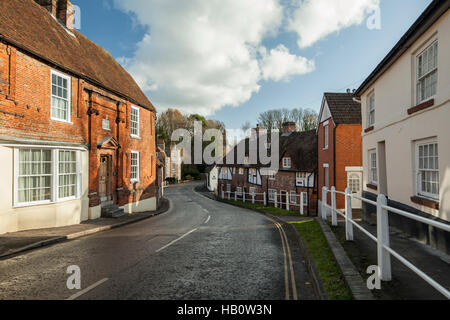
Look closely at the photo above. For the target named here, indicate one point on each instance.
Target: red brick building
(77, 134)
(340, 145)
(293, 187)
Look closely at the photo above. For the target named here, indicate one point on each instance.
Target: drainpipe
(118, 122)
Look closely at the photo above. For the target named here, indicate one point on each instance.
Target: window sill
(420, 107)
(136, 137)
(372, 186)
(369, 129)
(425, 202)
(62, 121)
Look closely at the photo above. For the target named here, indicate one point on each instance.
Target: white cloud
(200, 56)
(315, 19)
(279, 64)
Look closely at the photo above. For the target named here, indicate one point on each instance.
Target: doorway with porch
(105, 180)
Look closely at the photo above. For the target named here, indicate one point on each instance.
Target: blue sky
(341, 59)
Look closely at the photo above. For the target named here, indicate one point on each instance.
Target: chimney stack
(289, 127)
(61, 9)
(50, 5)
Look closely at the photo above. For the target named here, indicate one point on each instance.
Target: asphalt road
(199, 249)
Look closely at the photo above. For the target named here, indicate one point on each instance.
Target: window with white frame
(60, 97)
(105, 124)
(252, 190)
(135, 122)
(326, 136)
(241, 171)
(67, 174)
(228, 187)
(46, 176)
(134, 166)
(300, 179)
(428, 169)
(239, 191)
(373, 173)
(293, 197)
(272, 195)
(371, 110)
(427, 68)
(253, 176)
(287, 163)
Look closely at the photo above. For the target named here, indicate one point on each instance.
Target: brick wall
(348, 154)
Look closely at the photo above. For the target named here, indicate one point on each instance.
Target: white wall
(41, 216)
(394, 95)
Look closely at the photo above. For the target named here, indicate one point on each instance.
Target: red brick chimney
(65, 13)
(61, 9)
(289, 127)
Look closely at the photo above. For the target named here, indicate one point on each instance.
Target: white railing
(384, 251)
(263, 199)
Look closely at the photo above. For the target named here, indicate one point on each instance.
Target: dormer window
(287, 163)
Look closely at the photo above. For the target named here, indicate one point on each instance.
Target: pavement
(15, 243)
(198, 249)
(406, 284)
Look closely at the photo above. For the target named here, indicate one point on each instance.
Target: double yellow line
(287, 263)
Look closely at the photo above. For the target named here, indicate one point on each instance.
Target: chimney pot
(289, 127)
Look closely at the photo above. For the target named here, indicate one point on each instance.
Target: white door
(354, 182)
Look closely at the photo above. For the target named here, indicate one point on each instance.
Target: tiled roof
(344, 109)
(301, 147)
(30, 27)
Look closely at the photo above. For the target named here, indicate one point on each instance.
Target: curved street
(199, 249)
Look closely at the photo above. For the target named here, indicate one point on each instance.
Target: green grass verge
(270, 210)
(327, 267)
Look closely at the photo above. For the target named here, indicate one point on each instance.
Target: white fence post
(348, 215)
(265, 200)
(384, 257)
(333, 207)
(301, 204)
(243, 196)
(324, 202)
(229, 195)
(253, 198)
(287, 201)
(235, 196)
(276, 200)
(223, 194)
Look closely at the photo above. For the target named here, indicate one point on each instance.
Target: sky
(230, 60)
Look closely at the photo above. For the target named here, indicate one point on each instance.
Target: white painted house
(406, 125)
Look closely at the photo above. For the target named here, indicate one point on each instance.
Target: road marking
(291, 266)
(82, 292)
(176, 240)
(206, 210)
(207, 220)
(286, 248)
